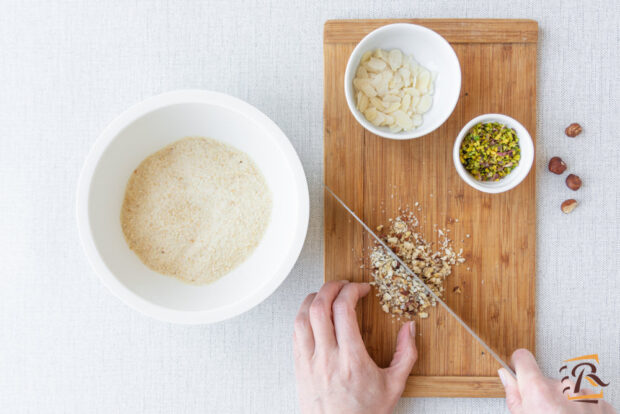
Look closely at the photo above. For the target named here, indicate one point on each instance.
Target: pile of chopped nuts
(399, 293)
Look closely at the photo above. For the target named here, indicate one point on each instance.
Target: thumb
(513, 396)
(406, 354)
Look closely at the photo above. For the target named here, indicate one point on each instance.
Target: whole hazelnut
(556, 165)
(573, 182)
(573, 130)
(569, 205)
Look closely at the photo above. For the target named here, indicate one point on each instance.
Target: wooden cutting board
(376, 176)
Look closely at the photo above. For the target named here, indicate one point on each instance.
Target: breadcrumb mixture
(195, 209)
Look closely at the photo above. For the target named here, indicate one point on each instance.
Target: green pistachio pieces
(490, 151)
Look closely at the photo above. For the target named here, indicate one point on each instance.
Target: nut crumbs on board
(399, 293)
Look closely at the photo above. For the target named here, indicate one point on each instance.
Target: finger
(525, 366)
(406, 354)
(345, 319)
(586, 391)
(606, 408)
(561, 389)
(527, 371)
(321, 315)
(561, 386)
(513, 395)
(303, 339)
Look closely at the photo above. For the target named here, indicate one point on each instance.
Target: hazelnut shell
(573, 130)
(573, 182)
(557, 165)
(568, 206)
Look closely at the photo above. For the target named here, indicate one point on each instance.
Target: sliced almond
(362, 73)
(377, 103)
(402, 120)
(375, 65)
(392, 107)
(362, 102)
(395, 59)
(405, 75)
(405, 103)
(424, 104)
(414, 102)
(422, 81)
(365, 86)
(412, 91)
(371, 114)
(391, 98)
(379, 119)
(417, 120)
(392, 90)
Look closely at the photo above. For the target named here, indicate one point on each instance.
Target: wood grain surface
(377, 176)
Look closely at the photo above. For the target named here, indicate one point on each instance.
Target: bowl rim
(97, 263)
(348, 82)
(525, 141)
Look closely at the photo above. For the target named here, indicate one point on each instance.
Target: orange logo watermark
(585, 370)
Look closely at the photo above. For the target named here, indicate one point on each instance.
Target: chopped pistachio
(490, 151)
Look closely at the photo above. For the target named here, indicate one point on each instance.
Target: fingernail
(412, 329)
(502, 376)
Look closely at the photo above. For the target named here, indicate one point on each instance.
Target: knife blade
(428, 290)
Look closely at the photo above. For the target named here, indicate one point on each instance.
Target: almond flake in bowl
(429, 49)
(393, 90)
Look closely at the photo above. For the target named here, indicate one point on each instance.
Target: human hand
(334, 372)
(533, 393)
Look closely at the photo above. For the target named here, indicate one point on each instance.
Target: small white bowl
(430, 50)
(517, 175)
(146, 128)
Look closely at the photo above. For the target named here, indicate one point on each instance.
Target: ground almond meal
(399, 293)
(195, 209)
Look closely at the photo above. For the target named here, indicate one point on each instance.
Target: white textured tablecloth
(67, 68)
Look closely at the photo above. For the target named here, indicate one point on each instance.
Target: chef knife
(428, 290)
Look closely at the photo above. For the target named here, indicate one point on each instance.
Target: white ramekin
(517, 175)
(430, 50)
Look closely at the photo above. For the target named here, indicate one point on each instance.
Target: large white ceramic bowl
(517, 175)
(144, 129)
(430, 50)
